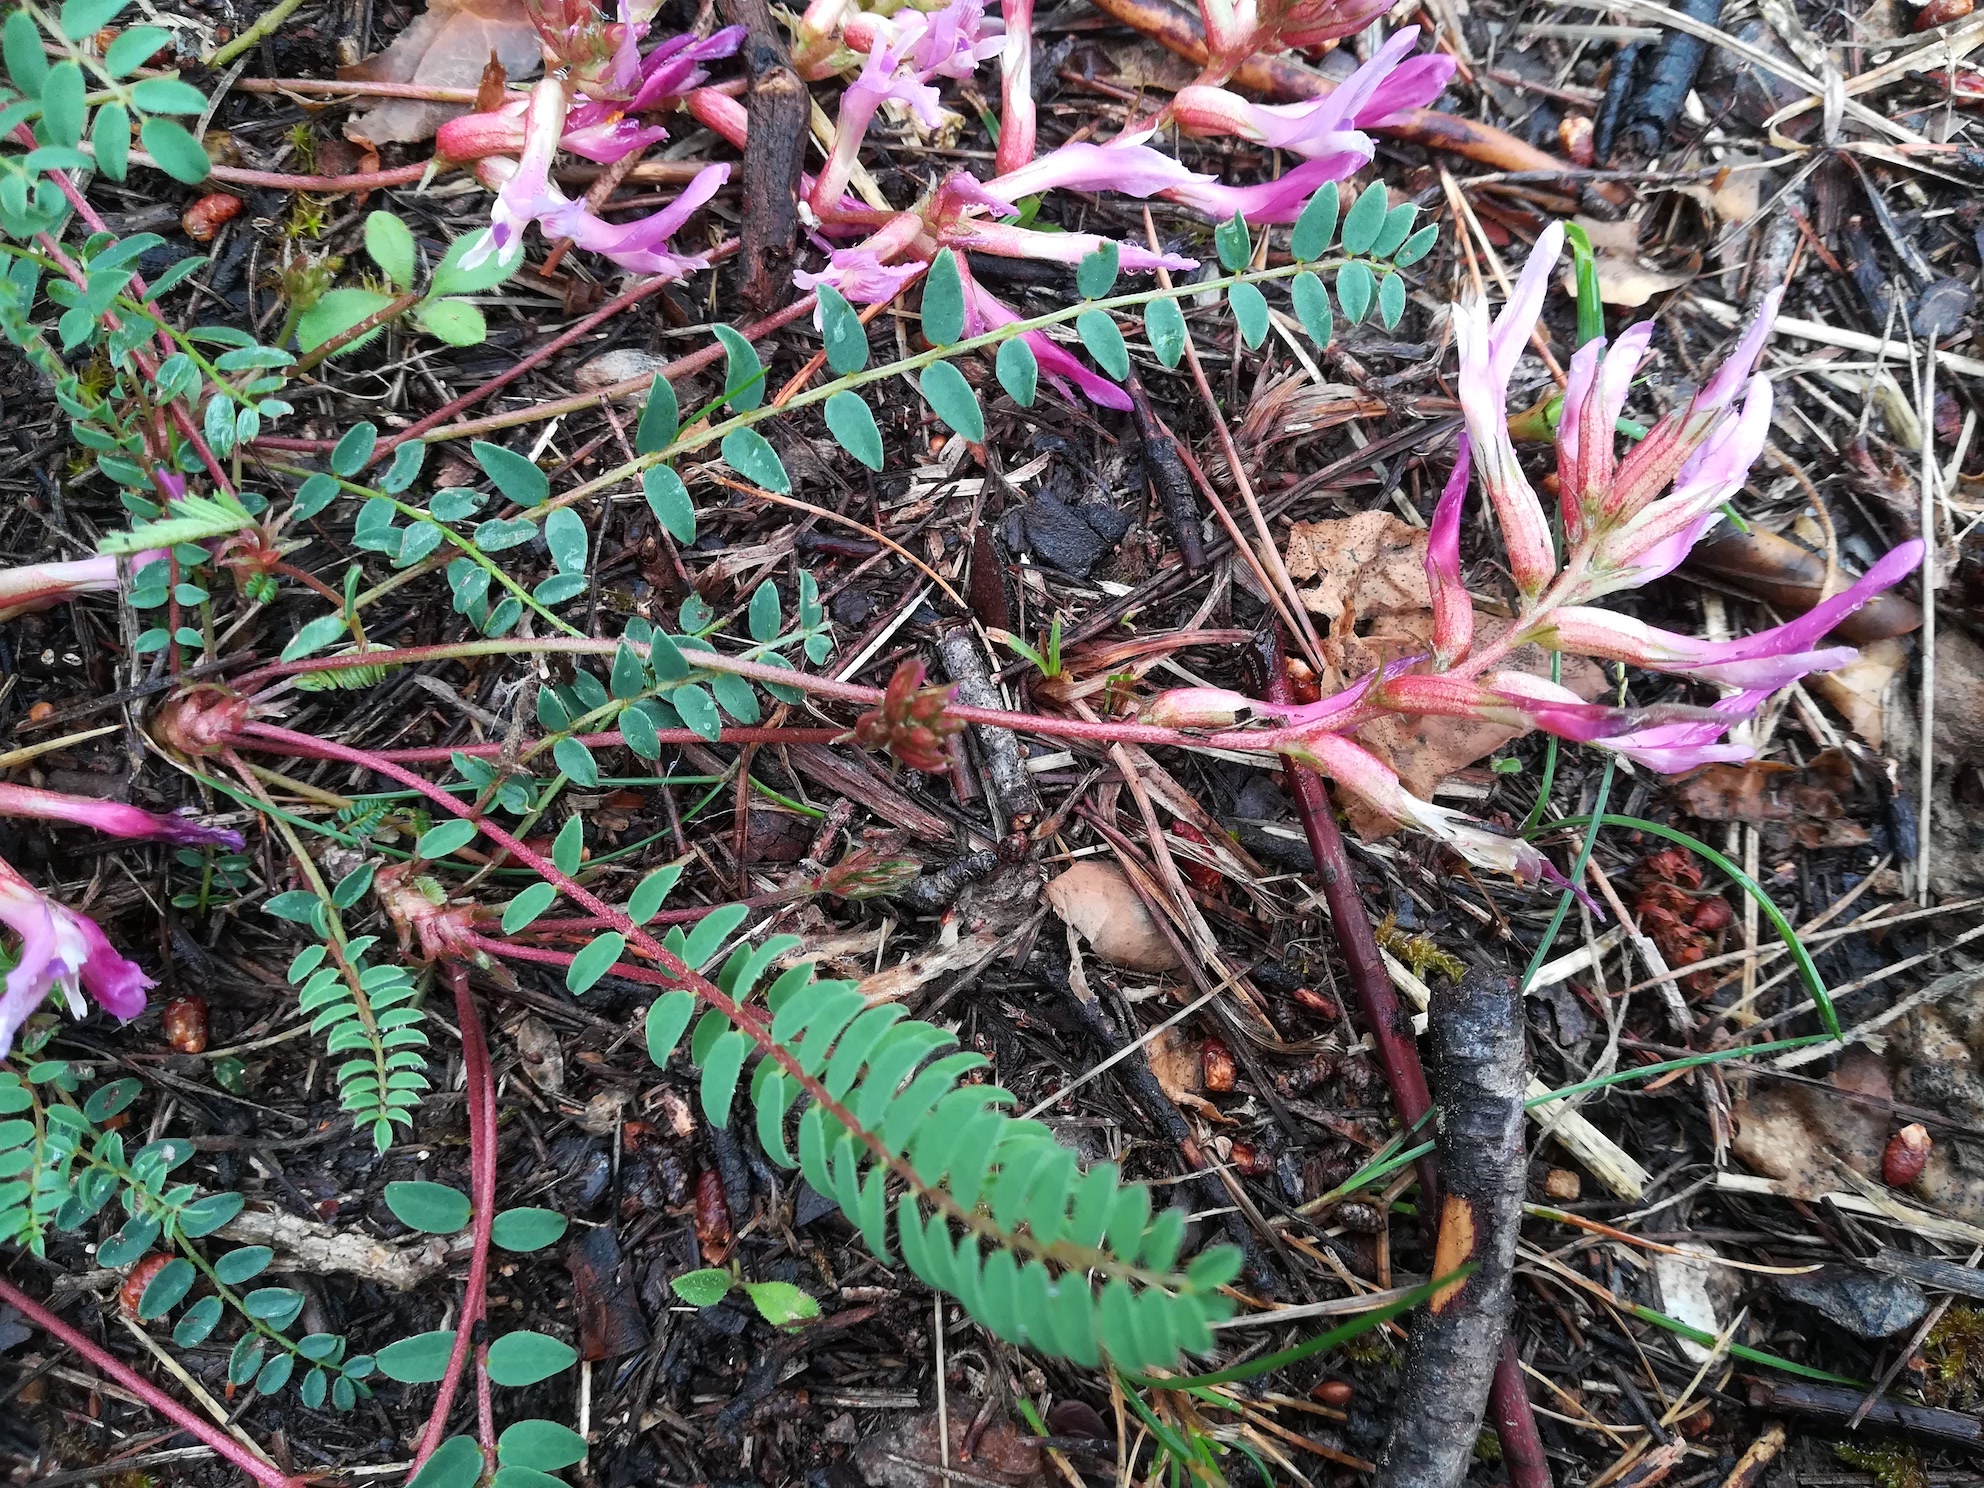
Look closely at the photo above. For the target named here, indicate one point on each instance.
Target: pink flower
(113, 817)
(1061, 247)
(1654, 542)
(1016, 115)
(1332, 124)
(1665, 738)
(1672, 748)
(670, 69)
(1769, 659)
(41, 586)
(1453, 610)
(1237, 29)
(1487, 358)
(1124, 165)
(59, 949)
(1594, 396)
(641, 246)
(864, 274)
(1359, 771)
(1279, 200)
(526, 193)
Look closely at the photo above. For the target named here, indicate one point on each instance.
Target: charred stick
(1398, 1055)
(964, 664)
(1618, 93)
(1839, 1402)
(1667, 82)
(1456, 1343)
(1167, 473)
(779, 109)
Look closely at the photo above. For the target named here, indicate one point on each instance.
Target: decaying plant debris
(545, 1039)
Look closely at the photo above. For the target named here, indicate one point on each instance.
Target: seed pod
(137, 1279)
(1575, 134)
(1335, 1393)
(1320, 1003)
(713, 1231)
(1216, 1065)
(203, 219)
(184, 1023)
(1907, 1155)
(1941, 13)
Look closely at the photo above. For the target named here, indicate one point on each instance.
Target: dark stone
(1863, 1303)
(810, 1204)
(1072, 538)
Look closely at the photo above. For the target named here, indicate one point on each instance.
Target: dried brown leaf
(1096, 898)
(447, 46)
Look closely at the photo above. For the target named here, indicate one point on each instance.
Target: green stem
(264, 26)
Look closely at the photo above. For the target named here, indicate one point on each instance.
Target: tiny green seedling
(1049, 663)
(779, 1303)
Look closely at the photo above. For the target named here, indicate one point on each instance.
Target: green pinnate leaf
(748, 453)
(943, 301)
(1234, 243)
(944, 388)
(1250, 313)
(545, 1446)
(660, 418)
(1316, 226)
(668, 499)
(1164, 325)
(180, 156)
(1365, 219)
(1354, 289)
(1391, 301)
(527, 1229)
(433, 1208)
(62, 107)
(511, 473)
(744, 374)
(841, 329)
(1097, 328)
(1397, 227)
(524, 1358)
(1417, 246)
(594, 961)
(703, 1288)
(1095, 276)
(853, 427)
(1018, 371)
(419, 1360)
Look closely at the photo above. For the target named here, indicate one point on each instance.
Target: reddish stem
(234, 175)
(1398, 1056)
(482, 1192)
(113, 1368)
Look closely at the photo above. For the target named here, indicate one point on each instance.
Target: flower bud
(1198, 708)
(1907, 1155)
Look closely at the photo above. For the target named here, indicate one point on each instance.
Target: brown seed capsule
(1907, 1155)
(713, 1231)
(1336, 1393)
(1216, 1065)
(1561, 1185)
(1941, 13)
(137, 1279)
(1320, 1003)
(1575, 134)
(1712, 914)
(203, 219)
(184, 1022)
(1252, 1161)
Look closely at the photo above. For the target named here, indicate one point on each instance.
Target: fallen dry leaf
(1624, 278)
(447, 46)
(910, 1453)
(1777, 569)
(1801, 1134)
(1860, 690)
(1179, 1064)
(1096, 898)
(1699, 1293)
(1790, 803)
(541, 1055)
(1371, 564)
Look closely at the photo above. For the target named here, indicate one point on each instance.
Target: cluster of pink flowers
(600, 97)
(57, 949)
(1626, 522)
